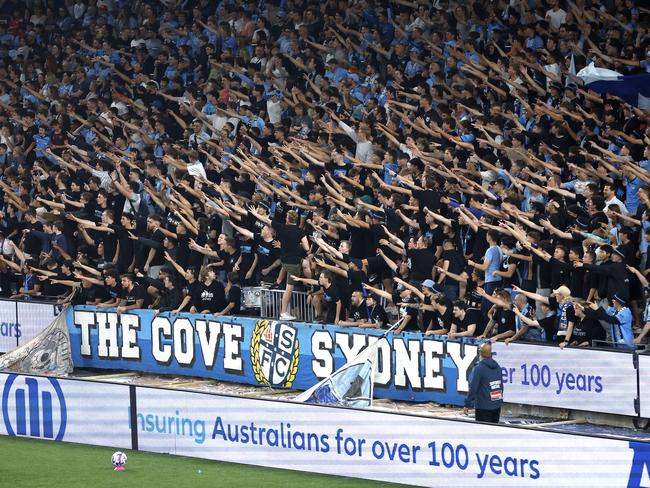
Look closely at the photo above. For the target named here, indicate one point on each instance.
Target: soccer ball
(119, 460)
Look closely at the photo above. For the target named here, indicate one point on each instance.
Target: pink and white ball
(119, 460)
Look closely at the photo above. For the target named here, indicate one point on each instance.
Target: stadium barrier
(271, 304)
(644, 385)
(410, 366)
(266, 352)
(21, 320)
(415, 450)
(268, 303)
(593, 380)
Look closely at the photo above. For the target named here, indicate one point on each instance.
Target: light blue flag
(352, 384)
(634, 89)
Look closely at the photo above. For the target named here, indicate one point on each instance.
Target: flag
(47, 353)
(634, 89)
(352, 384)
(572, 70)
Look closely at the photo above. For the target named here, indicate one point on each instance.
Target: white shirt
(615, 201)
(555, 18)
(274, 109)
(7, 247)
(364, 150)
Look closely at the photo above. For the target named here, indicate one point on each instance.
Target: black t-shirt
(560, 274)
(443, 320)
(159, 257)
(472, 317)
(110, 244)
(505, 320)
(406, 309)
(113, 292)
(331, 296)
(588, 329)
(378, 315)
(456, 263)
(135, 294)
(267, 254)
(126, 245)
(356, 278)
(542, 272)
(209, 297)
(234, 296)
(170, 300)
(358, 312)
(427, 198)
(190, 289)
(229, 260)
(247, 253)
(549, 326)
(290, 237)
(421, 263)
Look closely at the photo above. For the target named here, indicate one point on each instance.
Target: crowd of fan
(439, 157)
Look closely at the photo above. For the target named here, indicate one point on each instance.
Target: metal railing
(268, 302)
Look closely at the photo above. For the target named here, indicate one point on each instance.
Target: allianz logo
(34, 407)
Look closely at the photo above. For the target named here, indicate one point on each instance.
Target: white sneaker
(287, 316)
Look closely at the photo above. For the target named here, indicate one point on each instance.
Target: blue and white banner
(65, 410)
(577, 379)
(634, 89)
(21, 321)
(266, 352)
(381, 446)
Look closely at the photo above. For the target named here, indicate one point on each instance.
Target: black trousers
(491, 416)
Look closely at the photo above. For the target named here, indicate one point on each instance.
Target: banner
(577, 379)
(381, 446)
(47, 353)
(266, 352)
(644, 385)
(65, 410)
(21, 321)
(34, 317)
(10, 327)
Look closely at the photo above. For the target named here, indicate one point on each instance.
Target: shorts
(292, 269)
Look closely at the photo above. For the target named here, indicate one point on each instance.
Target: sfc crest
(275, 353)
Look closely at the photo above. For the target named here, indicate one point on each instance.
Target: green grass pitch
(38, 463)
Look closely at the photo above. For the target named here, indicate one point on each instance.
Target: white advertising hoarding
(10, 330)
(20, 321)
(577, 379)
(65, 410)
(644, 385)
(380, 446)
(33, 318)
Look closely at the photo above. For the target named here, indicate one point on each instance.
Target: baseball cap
(563, 290)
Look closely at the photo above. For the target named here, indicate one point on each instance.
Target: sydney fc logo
(34, 407)
(275, 353)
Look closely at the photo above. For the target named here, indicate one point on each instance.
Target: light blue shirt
(622, 333)
(493, 255)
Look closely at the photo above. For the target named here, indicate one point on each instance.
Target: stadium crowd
(439, 157)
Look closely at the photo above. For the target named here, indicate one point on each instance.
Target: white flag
(352, 385)
(47, 353)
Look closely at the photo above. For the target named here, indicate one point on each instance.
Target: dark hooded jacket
(486, 387)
